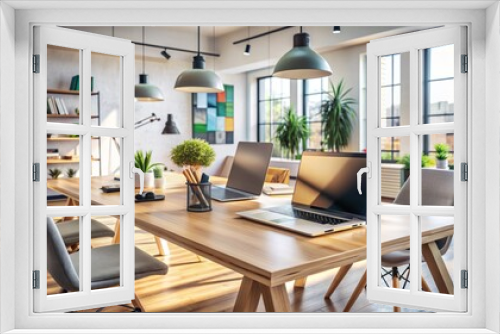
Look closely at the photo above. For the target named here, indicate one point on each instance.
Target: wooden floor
(193, 286)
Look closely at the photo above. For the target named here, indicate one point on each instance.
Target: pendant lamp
(144, 91)
(170, 126)
(302, 62)
(198, 79)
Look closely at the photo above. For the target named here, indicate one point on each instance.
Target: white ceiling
(242, 4)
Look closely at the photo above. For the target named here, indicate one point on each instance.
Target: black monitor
(327, 181)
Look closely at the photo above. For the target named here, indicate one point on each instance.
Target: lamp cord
(301, 29)
(199, 29)
(143, 50)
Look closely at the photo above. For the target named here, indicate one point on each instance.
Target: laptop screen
(328, 181)
(249, 168)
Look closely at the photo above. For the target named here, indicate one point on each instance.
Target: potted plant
(55, 173)
(442, 153)
(291, 132)
(143, 162)
(71, 172)
(159, 179)
(193, 154)
(337, 116)
(405, 161)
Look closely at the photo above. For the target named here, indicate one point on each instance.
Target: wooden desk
(267, 257)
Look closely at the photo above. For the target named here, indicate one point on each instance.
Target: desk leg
(248, 296)
(437, 267)
(337, 280)
(162, 246)
(276, 298)
(116, 239)
(301, 282)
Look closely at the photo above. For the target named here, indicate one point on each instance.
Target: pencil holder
(199, 197)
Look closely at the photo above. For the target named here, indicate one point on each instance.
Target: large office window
(315, 92)
(390, 90)
(273, 102)
(438, 104)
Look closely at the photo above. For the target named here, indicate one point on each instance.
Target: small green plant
(291, 131)
(442, 151)
(337, 117)
(193, 152)
(405, 160)
(55, 173)
(70, 173)
(158, 171)
(143, 161)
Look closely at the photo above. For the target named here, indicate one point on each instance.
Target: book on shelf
(75, 83)
(52, 153)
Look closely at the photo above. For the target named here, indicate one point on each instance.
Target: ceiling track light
(248, 48)
(198, 79)
(302, 62)
(336, 29)
(165, 54)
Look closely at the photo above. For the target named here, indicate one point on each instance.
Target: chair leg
(395, 284)
(356, 293)
(162, 245)
(425, 286)
(137, 304)
(337, 280)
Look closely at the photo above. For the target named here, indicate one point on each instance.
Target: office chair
(70, 231)
(105, 271)
(437, 190)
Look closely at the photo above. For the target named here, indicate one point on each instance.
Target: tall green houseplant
(291, 131)
(337, 117)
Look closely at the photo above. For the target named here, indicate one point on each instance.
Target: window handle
(366, 170)
(135, 170)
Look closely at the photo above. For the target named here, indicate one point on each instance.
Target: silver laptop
(325, 198)
(247, 174)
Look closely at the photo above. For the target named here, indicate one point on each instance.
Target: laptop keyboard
(310, 216)
(227, 193)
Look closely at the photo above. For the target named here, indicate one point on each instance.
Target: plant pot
(160, 183)
(441, 164)
(149, 180)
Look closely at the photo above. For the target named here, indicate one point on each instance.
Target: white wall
(7, 166)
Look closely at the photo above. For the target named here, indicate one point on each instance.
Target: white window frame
(484, 307)
(85, 44)
(413, 44)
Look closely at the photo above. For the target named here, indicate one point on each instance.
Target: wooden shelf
(66, 91)
(66, 161)
(68, 116)
(63, 139)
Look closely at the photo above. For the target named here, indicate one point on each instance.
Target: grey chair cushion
(105, 271)
(396, 259)
(70, 231)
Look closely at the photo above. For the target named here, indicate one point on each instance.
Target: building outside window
(315, 92)
(273, 102)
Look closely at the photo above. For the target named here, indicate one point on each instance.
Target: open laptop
(247, 174)
(325, 199)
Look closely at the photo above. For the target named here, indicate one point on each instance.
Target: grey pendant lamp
(170, 126)
(144, 91)
(198, 79)
(302, 62)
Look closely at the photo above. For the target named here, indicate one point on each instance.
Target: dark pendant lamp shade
(302, 62)
(198, 79)
(170, 126)
(144, 91)
(147, 92)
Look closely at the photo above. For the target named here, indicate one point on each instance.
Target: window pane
(63, 85)
(264, 89)
(394, 90)
(106, 159)
(395, 264)
(444, 246)
(394, 170)
(106, 90)
(63, 168)
(265, 112)
(441, 62)
(313, 106)
(314, 86)
(441, 102)
(315, 138)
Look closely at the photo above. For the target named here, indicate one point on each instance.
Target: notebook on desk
(325, 198)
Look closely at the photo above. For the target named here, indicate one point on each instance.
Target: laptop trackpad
(271, 216)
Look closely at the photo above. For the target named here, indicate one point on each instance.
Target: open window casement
(69, 115)
(417, 98)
